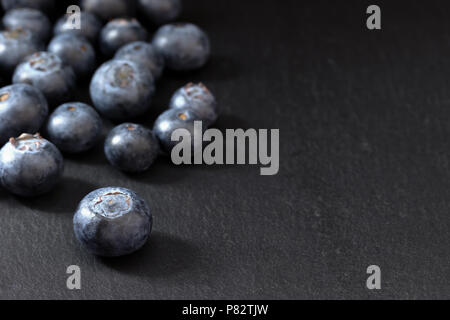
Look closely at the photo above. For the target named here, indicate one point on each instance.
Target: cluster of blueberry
(110, 221)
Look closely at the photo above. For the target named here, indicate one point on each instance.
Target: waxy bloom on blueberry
(23, 108)
(144, 54)
(121, 89)
(184, 46)
(47, 72)
(43, 5)
(15, 45)
(112, 222)
(160, 11)
(131, 147)
(198, 98)
(30, 165)
(74, 127)
(118, 33)
(75, 51)
(109, 9)
(29, 19)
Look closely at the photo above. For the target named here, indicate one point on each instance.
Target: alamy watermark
(73, 18)
(235, 147)
(73, 282)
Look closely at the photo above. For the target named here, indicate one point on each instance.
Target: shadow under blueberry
(64, 198)
(93, 157)
(163, 255)
(96, 155)
(162, 172)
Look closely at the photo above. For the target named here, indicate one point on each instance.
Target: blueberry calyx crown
(27, 142)
(112, 204)
(4, 96)
(123, 76)
(40, 63)
(183, 116)
(190, 89)
(125, 21)
(14, 34)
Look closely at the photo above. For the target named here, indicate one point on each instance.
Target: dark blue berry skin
(42, 5)
(184, 46)
(15, 45)
(112, 222)
(109, 9)
(47, 72)
(131, 147)
(30, 19)
(119, 32)
(75, 51)
(143, 53)
(23, 108)
(171, 120)
(121, 89)
(160, 11)
(74, 127)
(198, 98)
(90, 26)
(30, 165)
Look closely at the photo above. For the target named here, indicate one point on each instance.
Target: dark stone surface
(364, 174)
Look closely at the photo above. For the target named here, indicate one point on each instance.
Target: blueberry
(120, 32)
(198, 98)
(160, 11)
(131, 147)
(109, 9)
(144, 54)
(171, 120)
(183, 45)
(75, 51)
(89, 23)
(47, 72)
(43, 5)
(29, 19)
(23, 108)
(120, 89)
(74, 127)
(112, 222)
(30, 165)
(15, 45)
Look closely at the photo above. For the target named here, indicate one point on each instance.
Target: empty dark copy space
(364, 119)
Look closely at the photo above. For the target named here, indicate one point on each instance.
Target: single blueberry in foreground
(109, 9)
(131, 147)
(121, 89)
(30, 165)
(112, 222)
(74, 127)
(160, 11)
(47, 72)
(198, 98)
(15, 45)
(184, 46)
(75, 51)
(143, 53)
(118, 33)
(23, 108)
(90, 26)
(174, 119)
(43, 5)
(29, 19)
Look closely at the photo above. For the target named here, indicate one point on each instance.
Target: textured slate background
(364, 175)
